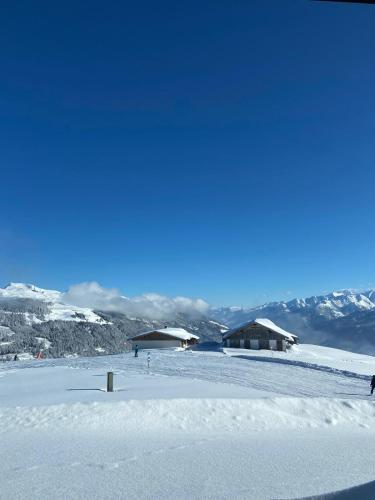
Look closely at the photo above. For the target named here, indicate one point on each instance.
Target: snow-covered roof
(178, 333)
(267, 323)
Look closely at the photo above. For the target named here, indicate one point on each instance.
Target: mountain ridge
(33, 318)
(336, 303)
(343, 319)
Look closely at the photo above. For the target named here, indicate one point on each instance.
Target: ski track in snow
(286, 378)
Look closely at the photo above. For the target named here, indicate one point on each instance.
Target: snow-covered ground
(313, 356)
(197, 424)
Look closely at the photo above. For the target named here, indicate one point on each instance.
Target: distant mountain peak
(36, 318)
(30, 291)
(339, 303)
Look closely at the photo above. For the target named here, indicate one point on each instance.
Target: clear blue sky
(220, 149)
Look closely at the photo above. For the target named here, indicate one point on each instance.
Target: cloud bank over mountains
(343, 319)
(151, 305)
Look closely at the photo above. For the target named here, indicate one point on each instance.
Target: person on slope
(372, 384)
(136, 351)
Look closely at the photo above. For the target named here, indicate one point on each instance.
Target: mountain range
(34, 319)
(344, 319)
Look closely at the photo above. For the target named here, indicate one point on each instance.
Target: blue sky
(216, 149)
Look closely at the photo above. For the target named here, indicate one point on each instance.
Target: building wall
(156, 344)
(256, 337)
(256, 344)
(253, 344)
(193, 341)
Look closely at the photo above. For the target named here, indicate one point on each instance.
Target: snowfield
(58, 310)
(313, 356)
(196, 425)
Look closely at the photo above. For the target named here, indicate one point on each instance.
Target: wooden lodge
(259, 334)
(164, 338)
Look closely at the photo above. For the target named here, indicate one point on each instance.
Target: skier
(136, 351)
(15, 357)
(372, 384)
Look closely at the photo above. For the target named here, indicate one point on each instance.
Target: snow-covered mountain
(33, 318)
(344, 319)
(55, 309)
(331, 306)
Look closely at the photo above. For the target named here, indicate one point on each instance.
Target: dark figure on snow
(15, 357)
(372, 384)
(136, 351)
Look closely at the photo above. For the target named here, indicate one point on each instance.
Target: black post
(110, 382)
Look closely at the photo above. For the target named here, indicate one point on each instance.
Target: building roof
(178, 333)
(267, 323)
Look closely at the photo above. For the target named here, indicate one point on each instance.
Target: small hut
(261, 333)
(164, 338)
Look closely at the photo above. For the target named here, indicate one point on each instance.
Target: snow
(6, 331)
(178, 333)
(268, 324)
(73, 313)
(223, 328)
(333, 305)
(313, 356)
(361, 492)
(28, 291)
(196, 425)
(44, 342)
(57, 309)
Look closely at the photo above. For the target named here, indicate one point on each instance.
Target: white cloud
(151, 305)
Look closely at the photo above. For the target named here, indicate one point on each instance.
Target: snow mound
(202, 415)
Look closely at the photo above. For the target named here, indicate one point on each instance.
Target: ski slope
(313, 356)
(197, 424)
